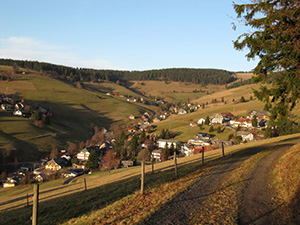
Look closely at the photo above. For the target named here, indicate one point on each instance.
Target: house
(242, 122)
(131, 99)
(83, 155)
(8, 184)
(216, 118)
(246, 136)
(155, 120)
(70, 174)
(202, 135)
(39, 178)
(132, 117)
(187, 149)
(182, 111)
(7, 107)
(193, 124)
(262, 123)
(163, 116)
(227, 116)
(126, 163)
(173, 109)
(146, 127)
(201, 121)
(198, 142)
(53, 164)
(18, 112)
(260, 114)
(132, 130)
(161, 143)
(19, 105)
(157, 155)
(146, 115)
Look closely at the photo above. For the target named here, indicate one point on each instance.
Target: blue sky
(119, 34)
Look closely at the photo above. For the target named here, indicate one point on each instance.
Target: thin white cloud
(24, 48)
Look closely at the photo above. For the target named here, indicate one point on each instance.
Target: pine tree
(134, 145)
(167, 134)
(254, 121)
(243, 99)
(93, 162)
(207, 121)
(273, 39)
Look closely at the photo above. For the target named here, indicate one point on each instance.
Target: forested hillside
(203, 76)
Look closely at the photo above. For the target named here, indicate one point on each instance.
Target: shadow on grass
(64, 208)
(74, 205)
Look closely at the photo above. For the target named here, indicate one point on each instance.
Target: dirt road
(255, 204)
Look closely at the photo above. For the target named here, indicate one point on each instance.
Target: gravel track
(256, 203)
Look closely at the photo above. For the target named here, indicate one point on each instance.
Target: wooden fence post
(202, 155)
(142, 177)
(27, 200)
(35, 205)
(223, 152)
(175, 164)
(85, 187)
(152, 163)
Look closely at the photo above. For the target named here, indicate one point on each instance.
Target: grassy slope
(76, 111)
(108, 86)
(173, 91)
(180, 123)
(121, 187)
(286, 182)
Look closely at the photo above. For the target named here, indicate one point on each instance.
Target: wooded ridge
(201, 76)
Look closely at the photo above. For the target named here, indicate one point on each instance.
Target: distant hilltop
(199, 76)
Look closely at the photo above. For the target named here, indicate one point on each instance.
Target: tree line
(203, 76)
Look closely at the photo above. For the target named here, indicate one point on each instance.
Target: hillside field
(174, 91)
(75, 113)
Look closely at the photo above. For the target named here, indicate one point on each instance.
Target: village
(123, 145)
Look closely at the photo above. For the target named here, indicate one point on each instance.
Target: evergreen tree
(167, 134)
(134, 145)
(243, 99)
(74, 160)
(254, 121)
(93, 162)
(15, 68)
(211, 129)
(273, 39)
(207, 121)
(142, 136)
(163, 134)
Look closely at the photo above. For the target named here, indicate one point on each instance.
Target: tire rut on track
(179, 209)
(257, 202)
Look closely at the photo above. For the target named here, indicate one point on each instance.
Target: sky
(123, 34)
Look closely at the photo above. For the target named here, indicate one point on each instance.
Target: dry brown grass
(229, 94)
(137, 207)
(221, 207)
(104, 188)
(10, 87)
(172, 91)
(286, 182)
(244, 76)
